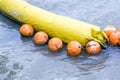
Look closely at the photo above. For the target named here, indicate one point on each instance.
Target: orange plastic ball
(26, 30)
(93, 47)
(109, 29)
(40, 38)
(119, 36)
(74, 48)
(115, 38)
(55, 44)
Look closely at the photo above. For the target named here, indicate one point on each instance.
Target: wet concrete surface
(21, 59)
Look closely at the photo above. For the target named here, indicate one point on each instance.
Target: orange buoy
(119, 36)
(93, 47)
(55, 44)
(115, 38)
(40, 38)
(26, 30)
(74, 48)
(109, 29)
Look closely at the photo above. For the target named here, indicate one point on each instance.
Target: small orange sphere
(119, 36)
(114, 38)
(74, 48)
(55, 44)
(26, 30)
(40, 38)
(93, 47)
(109, 29)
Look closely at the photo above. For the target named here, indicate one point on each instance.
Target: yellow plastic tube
(65, 28)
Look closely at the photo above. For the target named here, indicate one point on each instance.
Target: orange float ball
(93, 47)
(109, 29)
(74, 48)
(119, 36)
(55, 44)
(40, 38)
(114, 38)
(26, 30)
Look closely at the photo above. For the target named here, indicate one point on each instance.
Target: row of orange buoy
(74, 48)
